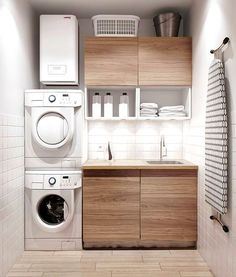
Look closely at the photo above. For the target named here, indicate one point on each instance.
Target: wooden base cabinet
(111, 205)
(169, 205)
(140, 208)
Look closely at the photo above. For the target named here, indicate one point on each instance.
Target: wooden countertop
(135, 164)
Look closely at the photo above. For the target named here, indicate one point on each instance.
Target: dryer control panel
(53, 98)
(53, 180)
(62, 99)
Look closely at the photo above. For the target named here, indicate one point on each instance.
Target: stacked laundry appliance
(53, 158)
(53, 142)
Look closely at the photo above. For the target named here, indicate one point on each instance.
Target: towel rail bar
(218, 219)
(225, 41)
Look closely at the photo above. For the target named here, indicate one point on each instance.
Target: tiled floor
(137, 263)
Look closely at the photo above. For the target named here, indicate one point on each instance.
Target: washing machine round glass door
(52, 128)
(53, 210)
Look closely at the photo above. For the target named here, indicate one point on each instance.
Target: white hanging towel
(216, 139)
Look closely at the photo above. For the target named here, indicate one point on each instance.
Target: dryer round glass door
(52, 128)
(53, 210)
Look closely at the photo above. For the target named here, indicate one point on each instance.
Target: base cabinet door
(111, 205)
(169, 205)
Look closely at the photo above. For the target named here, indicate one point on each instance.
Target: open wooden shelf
(163, 96)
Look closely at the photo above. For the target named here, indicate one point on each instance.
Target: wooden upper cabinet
(165, 61)
(111, 61)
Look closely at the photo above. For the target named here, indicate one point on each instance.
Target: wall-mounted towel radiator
(216, 140)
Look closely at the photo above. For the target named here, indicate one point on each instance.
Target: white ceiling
(88, 8)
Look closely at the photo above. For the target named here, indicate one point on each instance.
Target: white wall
(11, 190)
(135, 140)
(18, 45)
(17, 72)
(211, 21)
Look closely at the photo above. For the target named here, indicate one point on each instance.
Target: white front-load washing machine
(54, 128)
(53, 204)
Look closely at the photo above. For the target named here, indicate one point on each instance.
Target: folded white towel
(171, 112)
(150, 111)
(148, 115)
(172, 108)
(149, 105)
(163, 114)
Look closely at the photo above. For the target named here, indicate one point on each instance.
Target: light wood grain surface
(168, 207)
(135, 208)
(165, 61)
(153, 263)
(111, 61)
(111, 208)
(150, 61)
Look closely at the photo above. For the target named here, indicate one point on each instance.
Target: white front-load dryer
(53, 204)
(54, 128)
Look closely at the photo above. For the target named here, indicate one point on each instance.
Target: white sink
(163, 162)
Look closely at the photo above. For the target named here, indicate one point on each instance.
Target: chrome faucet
(163, 149)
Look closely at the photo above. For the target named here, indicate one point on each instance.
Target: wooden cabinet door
(169, 205)
(111, 205)
(165, 61)
(111, 61)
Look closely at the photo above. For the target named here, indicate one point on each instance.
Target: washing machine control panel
(64, 181)
(52, 181)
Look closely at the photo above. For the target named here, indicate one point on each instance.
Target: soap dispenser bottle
(108, 105)
(96, 105)
(124, 106)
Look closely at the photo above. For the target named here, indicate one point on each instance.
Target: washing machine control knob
(52, 181)
(52, 98)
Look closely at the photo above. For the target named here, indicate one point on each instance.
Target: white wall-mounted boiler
(59, 51)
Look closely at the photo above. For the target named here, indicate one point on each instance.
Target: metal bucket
(167, 24)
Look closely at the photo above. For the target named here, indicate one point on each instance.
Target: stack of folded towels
(174, 111)
(149, 110)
